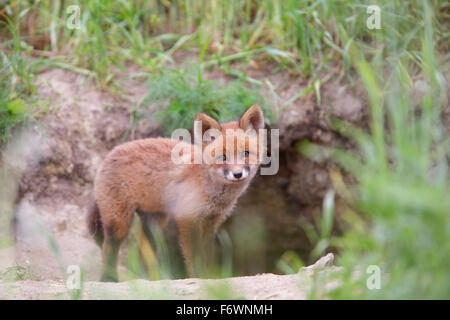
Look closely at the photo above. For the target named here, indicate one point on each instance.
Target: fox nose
(237, 174)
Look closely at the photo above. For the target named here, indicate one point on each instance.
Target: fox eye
(222, 157)
(245, 154)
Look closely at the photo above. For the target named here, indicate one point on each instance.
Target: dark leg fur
(198, 245)
(110, 252)
(173, 263)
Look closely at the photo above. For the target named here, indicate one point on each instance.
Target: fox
(142, 177)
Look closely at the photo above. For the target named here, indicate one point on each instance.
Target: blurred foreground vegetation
(397, 215)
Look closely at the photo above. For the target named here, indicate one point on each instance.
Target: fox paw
(109, 278)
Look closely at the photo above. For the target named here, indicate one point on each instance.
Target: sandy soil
(259, 287)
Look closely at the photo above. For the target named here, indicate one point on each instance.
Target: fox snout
(237, 173)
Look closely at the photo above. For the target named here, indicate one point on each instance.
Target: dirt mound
(259, 287)
(267, 286)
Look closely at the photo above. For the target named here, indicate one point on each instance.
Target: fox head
(231, 150)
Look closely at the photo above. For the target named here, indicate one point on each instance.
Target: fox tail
(94, 222)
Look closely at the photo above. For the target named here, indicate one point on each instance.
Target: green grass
(16, 83)
(13, 109)
(18, 272)
(186, 94)
(308, 37)
(398, 212)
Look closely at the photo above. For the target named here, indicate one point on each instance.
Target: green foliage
(16, 84)
(289, 263)
(187, 94)
(18, 272)
(400, 220)
(307, 36)
(9, 119)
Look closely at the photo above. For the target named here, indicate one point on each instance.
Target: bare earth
(264, 286)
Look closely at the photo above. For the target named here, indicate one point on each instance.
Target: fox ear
(253, 118)
(207, 122)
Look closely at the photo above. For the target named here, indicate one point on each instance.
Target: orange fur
(139, 176)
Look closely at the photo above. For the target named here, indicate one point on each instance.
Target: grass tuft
(18, 272)
(186, 94)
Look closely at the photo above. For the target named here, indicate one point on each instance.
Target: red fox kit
(141, 176)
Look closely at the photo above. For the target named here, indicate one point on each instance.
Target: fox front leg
(197, 244)
(208, 227)
(185, 229)
(110, 252)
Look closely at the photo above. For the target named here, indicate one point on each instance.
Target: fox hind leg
(113, 236)
(110, 251)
